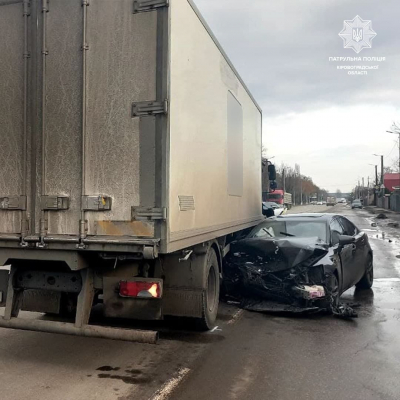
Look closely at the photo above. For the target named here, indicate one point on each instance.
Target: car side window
(349, 228)
(336, 230)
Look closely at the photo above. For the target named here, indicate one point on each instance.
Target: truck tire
(210, 297)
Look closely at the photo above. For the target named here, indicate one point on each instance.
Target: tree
(296, 183)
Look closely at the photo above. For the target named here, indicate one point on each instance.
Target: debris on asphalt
(344, 311)
(374, 224)
(393, 224)
(282, 276)
(381, 216)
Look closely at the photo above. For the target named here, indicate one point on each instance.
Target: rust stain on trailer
(124, 228)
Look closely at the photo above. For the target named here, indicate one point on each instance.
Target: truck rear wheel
(210, 297)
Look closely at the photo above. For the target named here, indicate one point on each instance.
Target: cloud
(282, 50)
(315, 115)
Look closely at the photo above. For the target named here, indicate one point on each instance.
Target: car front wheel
(367, 280)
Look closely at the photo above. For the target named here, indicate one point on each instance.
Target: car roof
(305, 217)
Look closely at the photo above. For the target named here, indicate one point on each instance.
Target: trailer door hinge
(55, 203)
(13, 203)
(148, 214)
(148, 5)
(143, 108)
(27, 7)
(96, 203)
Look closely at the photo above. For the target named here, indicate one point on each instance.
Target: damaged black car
(299, 263)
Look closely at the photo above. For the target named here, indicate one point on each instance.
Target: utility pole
(301, 188)
(376, 185)
(382, 180)
(284, 180)
(363, 189)
(294, 189)
(396, 131)
(382, 187)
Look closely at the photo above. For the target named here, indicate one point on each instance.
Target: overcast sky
(315, 115)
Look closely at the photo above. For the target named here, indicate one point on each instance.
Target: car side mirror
(344, 240)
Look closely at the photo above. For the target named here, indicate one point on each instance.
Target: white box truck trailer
(130, 156)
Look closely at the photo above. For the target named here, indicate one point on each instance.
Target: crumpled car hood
(275, 255)
(277, 275)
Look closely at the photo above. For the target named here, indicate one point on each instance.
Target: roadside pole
(396, 131)
(363, 189)
(301, 188)
(284, 180)
(376, 185)
(382, 187)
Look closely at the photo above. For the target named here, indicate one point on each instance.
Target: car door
(357, 270)
(347, 254)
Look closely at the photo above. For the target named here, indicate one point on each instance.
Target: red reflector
(140, 289)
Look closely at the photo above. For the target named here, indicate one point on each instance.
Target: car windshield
(356, 202)
(270, 204)
(274, 196)
(283, 229)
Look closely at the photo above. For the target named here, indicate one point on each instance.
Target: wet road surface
(248, 356)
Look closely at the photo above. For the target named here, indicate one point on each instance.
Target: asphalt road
(249, 355)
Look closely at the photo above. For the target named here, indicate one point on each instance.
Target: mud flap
(180, 302)
(185, 284)
(43, 301)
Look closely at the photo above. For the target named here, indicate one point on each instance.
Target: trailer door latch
(148, 214)
(148, 5)
(55, 203)
(13, 203)
(96, 203)
(145, 108)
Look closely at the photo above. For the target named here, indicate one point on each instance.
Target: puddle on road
(130, 380)
(132, 377)
(107, 368)
(380, 236)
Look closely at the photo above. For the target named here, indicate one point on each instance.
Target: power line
(394, 146)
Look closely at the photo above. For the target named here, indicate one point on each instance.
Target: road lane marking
(235, 317)
(216, 328)
(166, 390)
(386, 279)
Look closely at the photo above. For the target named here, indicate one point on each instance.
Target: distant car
(356, 204)
(343, 201)
(304, 259)
(320, 203)
(314, 203)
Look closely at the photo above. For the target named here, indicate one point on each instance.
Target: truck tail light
(140, 289)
